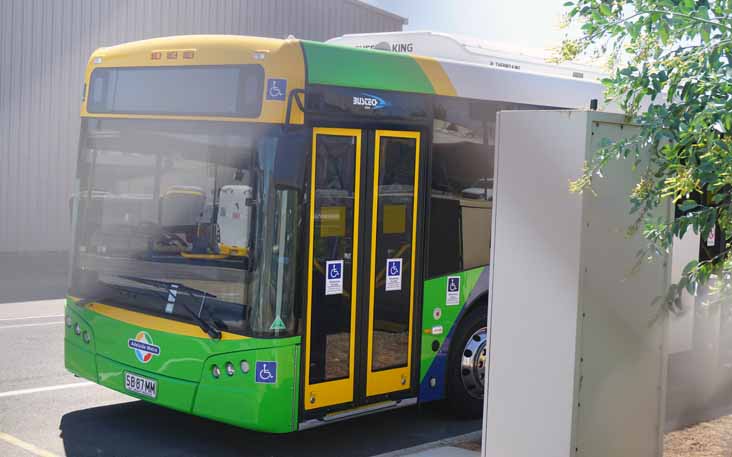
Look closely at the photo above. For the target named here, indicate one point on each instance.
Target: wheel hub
(473, 363)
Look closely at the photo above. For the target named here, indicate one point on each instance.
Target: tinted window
(336, 169)
(393, 242)
(231, 90)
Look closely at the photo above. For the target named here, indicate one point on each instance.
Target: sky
(525, 23)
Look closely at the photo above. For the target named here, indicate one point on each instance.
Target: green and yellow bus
(279, 234)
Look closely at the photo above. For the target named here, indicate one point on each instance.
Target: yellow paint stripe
(372, 267)
(415, 203)
(188, 255)
(156, 323)
(33, 449)
(309, 308)
(440, 81)
(355, 259)
(184, 192)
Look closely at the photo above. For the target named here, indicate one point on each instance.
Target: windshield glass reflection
(168, 206)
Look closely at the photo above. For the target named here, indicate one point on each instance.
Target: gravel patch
(707, 439)
(473, 445)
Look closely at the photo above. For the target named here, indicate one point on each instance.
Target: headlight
(69, 322)
(230, 369)
(244, 365)
(216, 371)
(77, 329)
(86, 337)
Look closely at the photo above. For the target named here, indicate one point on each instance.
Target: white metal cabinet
(576, 352)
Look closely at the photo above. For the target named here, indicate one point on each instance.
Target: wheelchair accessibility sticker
(276, 89)
(333, 277)
(393, 274)
(452, 297)
(266, 372)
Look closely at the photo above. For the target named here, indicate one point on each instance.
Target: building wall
(44, 47)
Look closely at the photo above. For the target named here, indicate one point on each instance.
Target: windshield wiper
(208, 327)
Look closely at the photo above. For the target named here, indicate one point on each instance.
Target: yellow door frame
(394, 379)
(339, 391)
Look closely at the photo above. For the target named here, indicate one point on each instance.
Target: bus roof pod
(460, 48)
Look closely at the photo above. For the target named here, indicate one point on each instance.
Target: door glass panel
(333, 256)
(393, 253)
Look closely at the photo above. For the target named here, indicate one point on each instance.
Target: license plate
(139, 385)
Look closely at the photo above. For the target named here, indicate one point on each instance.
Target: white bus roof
(461, 48)
(485, 71)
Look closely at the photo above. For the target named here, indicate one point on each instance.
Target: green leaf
(719, 198)
(605, 10)
(688, 205)
(663, 32)
(706, 32)
(722, 145)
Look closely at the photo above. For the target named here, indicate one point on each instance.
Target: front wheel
(467, 365)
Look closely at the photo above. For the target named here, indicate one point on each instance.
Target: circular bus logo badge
(143, 346)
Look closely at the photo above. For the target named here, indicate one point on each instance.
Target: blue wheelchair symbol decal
(453, 284)
(334, 270)
(266, 372)
(394, 268)
(276, 89)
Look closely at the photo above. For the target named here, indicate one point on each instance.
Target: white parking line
(14, 393)
(31, 317)
(34, 303)
(35, 450)
(2, 327)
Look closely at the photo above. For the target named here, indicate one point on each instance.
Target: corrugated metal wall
(44, 46)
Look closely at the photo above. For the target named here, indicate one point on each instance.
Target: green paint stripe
(435, 293)
(365, 68)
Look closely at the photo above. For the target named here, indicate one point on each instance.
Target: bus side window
(461, 193)
(445, 238)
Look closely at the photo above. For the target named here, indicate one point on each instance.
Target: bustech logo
(143, 346)
(370, 102)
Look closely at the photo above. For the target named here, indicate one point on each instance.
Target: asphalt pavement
(47, 412)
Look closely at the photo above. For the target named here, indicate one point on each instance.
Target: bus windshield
(163, 208)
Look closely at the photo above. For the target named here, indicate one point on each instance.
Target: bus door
(362, 252)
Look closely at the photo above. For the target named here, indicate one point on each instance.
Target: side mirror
(292, 153)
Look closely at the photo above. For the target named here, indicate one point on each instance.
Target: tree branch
(690, 17)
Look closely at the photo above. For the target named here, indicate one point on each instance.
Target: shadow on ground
(33, 276)
(144, 429)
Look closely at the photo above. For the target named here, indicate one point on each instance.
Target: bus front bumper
(241, 398)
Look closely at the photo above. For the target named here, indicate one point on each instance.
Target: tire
(467, 362)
